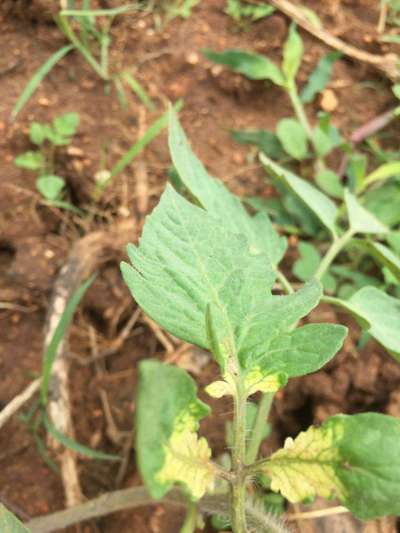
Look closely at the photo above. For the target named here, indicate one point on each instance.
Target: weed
(92, 41)
(48, 138)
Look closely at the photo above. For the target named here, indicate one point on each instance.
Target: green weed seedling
(294, 136)
(49, 138)
(204, 270)
(92, 39)
(243, 12)
(174, 8)
(373, 195)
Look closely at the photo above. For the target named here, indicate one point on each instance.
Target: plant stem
(286, 285)
(333, 251)
(238, 487)
(256, 439)
(189, 525)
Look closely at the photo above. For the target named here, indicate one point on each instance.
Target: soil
(35, 239)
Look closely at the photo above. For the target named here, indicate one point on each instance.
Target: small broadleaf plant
(203, 273)
(48, 139)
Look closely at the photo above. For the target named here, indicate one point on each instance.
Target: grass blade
(98, 12)
(76, 447)
(58, 336)
(37, 78)
(139, 91)
(150, 134)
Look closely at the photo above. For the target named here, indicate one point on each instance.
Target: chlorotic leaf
(361, 220)
(292, 137)
(253, 66)
(168, 448)
(354, 458)
(213, 196)
(319, 203)
(9, 523)
(383, 313)
(292, 54)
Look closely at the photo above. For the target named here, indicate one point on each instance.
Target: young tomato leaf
(213, 196)
(319, 203)
(292, 137)
(383, 313)
(251, 334)
(292, 54)
(354, 458)
(253, 66)
(167, 417)
(9, 523)
(361, 220)
(184, 257)
(319, 77)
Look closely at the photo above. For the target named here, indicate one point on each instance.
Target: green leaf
(50, 186)
(253, 66)
(78, 448)
(354, 458)
(187, 263)
(322, 142)
(37, 78)
(219, 201)
(320, 205)
(293, 138)
(30, 160)
(330, 183)
(385, 171)
(67, 124)
(58, 335)
(382, 254)
(393, 239)
(306, 266)
(9, 523)
(384, 202)
(184, 257)
(319, 77)
(37, 133)
(264, 140)
(348, 307)
(292, 54)
(167, 418)
(383, 312)
(361, 220)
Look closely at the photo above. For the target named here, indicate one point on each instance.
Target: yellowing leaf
(168, 448)
(256, 380)
(353, 458)
(305, 467)
(187, 461)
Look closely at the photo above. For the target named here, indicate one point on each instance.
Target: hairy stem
(256, 438)
(238, 487)
(333, 251)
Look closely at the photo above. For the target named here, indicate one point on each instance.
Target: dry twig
(16, 403)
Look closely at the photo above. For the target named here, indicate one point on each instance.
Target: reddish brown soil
(34, 240)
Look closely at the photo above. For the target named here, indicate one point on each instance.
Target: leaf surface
(253, 66)
(168, 414)
(354, 458)
(361, 220)
(9, 523)
(292, 54)
(319, 203)
(219, 201)
(293, 138)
